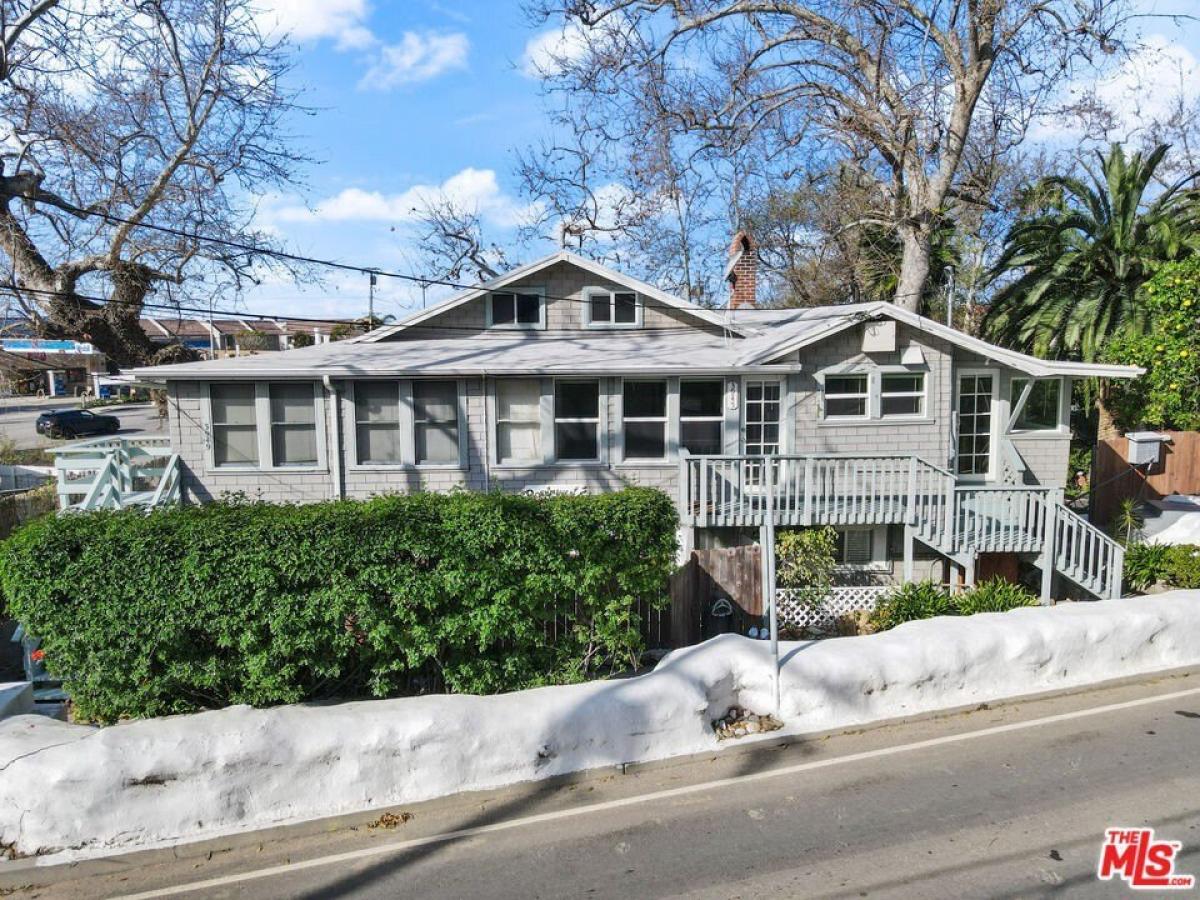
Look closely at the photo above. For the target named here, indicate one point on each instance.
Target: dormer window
(517, 309)
(611, 309)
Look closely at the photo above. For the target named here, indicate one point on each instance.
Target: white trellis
(793, 613)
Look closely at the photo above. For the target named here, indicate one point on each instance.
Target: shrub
(204, 606)
(804, 562)
(993, 595)
(1145, 565)
(1181, 566)
(909, 602)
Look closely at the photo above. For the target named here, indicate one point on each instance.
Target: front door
(975, 421)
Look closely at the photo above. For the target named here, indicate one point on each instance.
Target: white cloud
(476, 190)
(418, 57)
(311, 20)
(1143, 89)
(546, 53)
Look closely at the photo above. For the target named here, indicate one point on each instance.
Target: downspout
(487, 429)
(335, 459)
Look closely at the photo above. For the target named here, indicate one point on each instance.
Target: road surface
(18, 414)
(1005, 802)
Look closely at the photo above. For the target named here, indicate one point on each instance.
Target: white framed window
(293, 425)
(702, 417)
(861, 548)
(519, 421)
(377, 437)
(435, 421)
(1042, 409)
(603, 308)
(644, 419)
(234, 424)
(518, 309)
(847, 396)
(577, 420)
(901, 395)
(763, 410)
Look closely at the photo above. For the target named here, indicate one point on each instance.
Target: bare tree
(453, 244)
(903, 87)
(122, 114)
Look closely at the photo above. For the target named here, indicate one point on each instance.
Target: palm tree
(1081, 258)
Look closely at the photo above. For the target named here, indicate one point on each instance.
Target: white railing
(812, 489)
(957, 520)
(113, 473)
(1086, 555)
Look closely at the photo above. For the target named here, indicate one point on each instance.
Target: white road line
(652, 797)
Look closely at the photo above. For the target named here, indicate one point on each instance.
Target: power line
(422, 280)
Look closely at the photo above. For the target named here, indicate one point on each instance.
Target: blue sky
(413, 98)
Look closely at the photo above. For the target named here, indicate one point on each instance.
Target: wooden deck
(958, 520)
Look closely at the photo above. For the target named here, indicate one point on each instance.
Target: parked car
(68, 423)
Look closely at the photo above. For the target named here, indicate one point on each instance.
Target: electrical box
(1144, 447)
(879, 337)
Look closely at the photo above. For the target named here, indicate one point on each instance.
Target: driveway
(18, 414)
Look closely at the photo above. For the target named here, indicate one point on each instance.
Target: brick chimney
(742, 271)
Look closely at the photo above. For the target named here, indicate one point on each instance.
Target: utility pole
(371, 301)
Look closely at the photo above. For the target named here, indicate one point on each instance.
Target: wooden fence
(1114, 480)
(16, 509)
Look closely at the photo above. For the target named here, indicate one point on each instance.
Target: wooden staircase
(960, 521)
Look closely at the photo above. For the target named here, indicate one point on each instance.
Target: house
(922, 445)
(234, 337)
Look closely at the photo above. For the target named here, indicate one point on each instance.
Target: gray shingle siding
(1045, 455)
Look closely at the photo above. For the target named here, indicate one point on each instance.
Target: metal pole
(769, 551)
(950, 300)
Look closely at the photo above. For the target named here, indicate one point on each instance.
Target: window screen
(293, 425)
(235, 428)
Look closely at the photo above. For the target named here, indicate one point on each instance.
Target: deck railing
(113, 473)
(899, 489)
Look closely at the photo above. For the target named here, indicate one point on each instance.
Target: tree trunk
(914, 266)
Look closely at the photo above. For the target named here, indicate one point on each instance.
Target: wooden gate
(734, 573)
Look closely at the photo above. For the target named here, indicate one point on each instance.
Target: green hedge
(204, 606)
(926, 599)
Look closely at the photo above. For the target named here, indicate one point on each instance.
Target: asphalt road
(1010, 801)
(18, 414)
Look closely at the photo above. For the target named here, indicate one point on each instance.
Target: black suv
(68, 423)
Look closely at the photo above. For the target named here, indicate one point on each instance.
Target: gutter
(308, 374)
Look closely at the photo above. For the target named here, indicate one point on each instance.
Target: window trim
(539, 325)
(670, 433)
(262, 428)
(601, 421)
(596, 290)
(923, 413)
(867, 395)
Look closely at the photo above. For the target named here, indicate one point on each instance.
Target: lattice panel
(841, 600)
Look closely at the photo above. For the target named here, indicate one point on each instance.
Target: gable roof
(822, 322)
(711, 316)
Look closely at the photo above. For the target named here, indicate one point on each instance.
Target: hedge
(204, 606)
